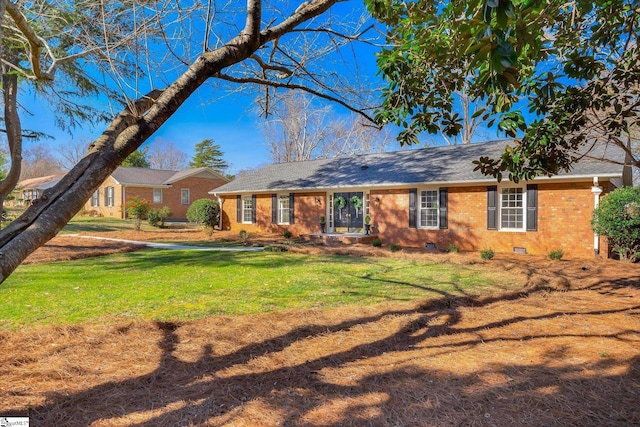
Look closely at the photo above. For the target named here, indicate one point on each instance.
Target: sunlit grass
(183, 285)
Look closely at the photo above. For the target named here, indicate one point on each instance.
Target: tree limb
(34, 40)
(284, 70)
(265, 82)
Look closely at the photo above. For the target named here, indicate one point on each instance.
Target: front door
(348, 212)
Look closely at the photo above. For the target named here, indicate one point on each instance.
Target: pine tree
(137, 159)
(208, 154)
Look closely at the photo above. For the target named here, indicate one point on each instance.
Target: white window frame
(184, 191)
(109, 196)
(282, 210)
(434, 208)
(523, 208)
(95, 198)
(247, 210)
(157, 196)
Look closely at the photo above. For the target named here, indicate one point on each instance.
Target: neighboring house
(29, 190)
(175, 189)
(427, 197)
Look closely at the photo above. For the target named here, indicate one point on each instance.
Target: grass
(87, 224)
(184, 285)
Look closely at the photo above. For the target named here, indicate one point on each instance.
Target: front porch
(346, 238)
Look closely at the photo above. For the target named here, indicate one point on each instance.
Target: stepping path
(175, 246)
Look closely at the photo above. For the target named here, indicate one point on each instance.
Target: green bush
(287, 234)
(276, 248)
(205, 212)
(157, 217)
(244, 235)
(556, 255)
(376, 242)
(395, 248)
(453, 248)
(138, 209)
(487, 254)
(618, 218)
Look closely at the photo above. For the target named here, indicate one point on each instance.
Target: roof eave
(556, 178)
(133, 184)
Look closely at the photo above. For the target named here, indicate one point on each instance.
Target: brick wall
(307, 210)
(171, 196)
(564, 220)
(114, 211)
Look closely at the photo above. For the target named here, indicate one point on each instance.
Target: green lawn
(183, 285)
(80, 224)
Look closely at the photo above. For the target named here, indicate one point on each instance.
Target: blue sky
(230, 120)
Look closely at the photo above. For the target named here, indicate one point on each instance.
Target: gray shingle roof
(192, 172)
(141, 176)
(448, 164)
(40, 183)
(144, 176)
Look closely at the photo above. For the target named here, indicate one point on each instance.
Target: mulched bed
(564, 349)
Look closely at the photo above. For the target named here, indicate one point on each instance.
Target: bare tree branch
(270, 83)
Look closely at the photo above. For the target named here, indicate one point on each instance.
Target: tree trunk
(14, 134)
(46, 217)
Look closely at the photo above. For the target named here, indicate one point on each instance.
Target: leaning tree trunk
(14, 135)
(46, 217)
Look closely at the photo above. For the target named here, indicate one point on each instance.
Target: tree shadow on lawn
(152, 258)
(424, 374)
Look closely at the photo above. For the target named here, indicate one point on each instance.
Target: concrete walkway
(173, 246)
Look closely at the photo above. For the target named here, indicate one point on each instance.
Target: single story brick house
(175, 189)
(427, 197)
(31, 189)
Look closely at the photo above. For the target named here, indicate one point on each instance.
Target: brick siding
(171, 196)
(564, 220)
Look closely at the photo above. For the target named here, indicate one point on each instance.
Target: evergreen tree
(208, 154)
(137, 159)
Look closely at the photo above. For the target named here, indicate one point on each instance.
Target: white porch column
(596, 190)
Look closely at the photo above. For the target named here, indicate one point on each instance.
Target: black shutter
(292, 212)
(274, 208)
(413, 196)
(492, 208)
(532, 207)
(253, 208)
(239, 208)
(443, 207)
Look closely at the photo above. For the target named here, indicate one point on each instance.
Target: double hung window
(429, 209)
(283, 209)
(247, 210)
(512, 208)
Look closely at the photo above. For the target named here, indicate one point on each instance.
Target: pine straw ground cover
(564, 349)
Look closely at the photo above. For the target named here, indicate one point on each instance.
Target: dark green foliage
(453, 248)
(376, 242)
(287, 234)
(205, 212)
(559, 74)
(556, 255)
(138, 209)
(276, 248)
(137, 159)
(618, 218)
(243, 234)
(208, 154)
(395, 248)
(487, 254)
(157, 217)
